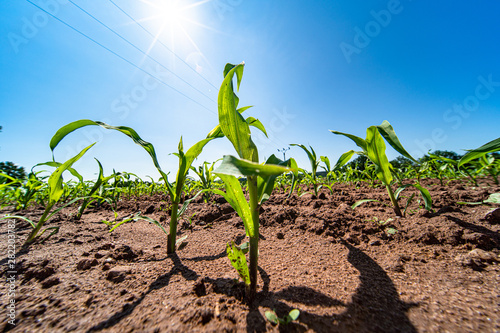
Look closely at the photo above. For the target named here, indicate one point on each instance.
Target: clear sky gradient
(431, 68)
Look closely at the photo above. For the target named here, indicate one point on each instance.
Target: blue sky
(430, 68)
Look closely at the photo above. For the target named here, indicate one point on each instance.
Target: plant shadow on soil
(375, 306)
(161, 282)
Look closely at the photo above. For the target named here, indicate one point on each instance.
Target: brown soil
(341, 268)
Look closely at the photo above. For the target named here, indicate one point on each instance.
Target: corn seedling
(24, 194)
(207, 178)
(287, 319)
(174, 190)
(374, 148)
(55, 184)
(260, 177)
(313, 160)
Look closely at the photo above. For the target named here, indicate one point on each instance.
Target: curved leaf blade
(357, 140)
(235, 197)
(387, 131)
(238, 167)
(343, 159)
(359, 202)
(130, 132)
(489, 147)
(55, 179)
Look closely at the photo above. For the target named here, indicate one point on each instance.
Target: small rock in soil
(51, 281)
(110, 260)
(482, 255)
(118, 273)
(479, 239)
(40, 273)
(85, 264)
(99, 255)
(125, 252)
(280, 235)
(493, 216)
(476, 259)
(106, 246)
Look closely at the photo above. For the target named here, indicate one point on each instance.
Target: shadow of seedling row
(375, 306)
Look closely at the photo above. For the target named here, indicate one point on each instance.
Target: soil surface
(346, 270)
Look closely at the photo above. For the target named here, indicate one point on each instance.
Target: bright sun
(169, 12)
(175, 21)
(177, 18)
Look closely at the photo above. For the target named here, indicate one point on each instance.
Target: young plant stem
(39, 225)
(173, 229)
(254, 241)
(397, 210)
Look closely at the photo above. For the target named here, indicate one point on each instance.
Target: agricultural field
(237, 245)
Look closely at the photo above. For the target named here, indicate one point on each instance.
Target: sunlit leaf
(489, 147)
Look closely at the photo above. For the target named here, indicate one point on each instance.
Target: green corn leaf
(238, 167)
(469, 203)
(33, 224)
(401, 189)
(310, 154)
(272, 317)
(217, 132)
(489, 147)
(99, 180)
(12, 180)
(185, 162)
(292, 164)
(376, 153)
(235, 197)
(444, 159)
(55, 179)
(493, 198)
(357, 203)
(239, 261)
(234, 127)
(390, 136)
(294, 314)
(426, 196)
(359, 142)
(186, 203)
(138, 217)
(257, 124)
(423, 191)
(131, 133)
(326, 160)
(56, 165)
(245, 247)
(265, 185)
(343, 159)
